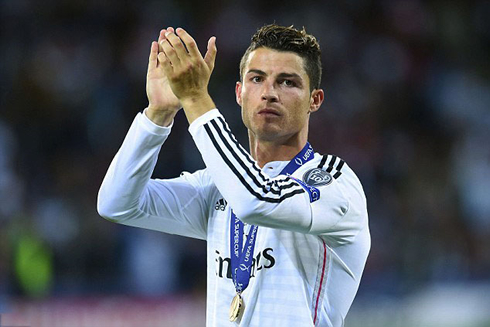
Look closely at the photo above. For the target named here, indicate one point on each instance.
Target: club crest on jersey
(317, 177)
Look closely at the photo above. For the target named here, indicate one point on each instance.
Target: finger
(162, 39)
(165, 63)
(152, 60)
(177, 44)
(161, 36)
(210, 56)
(170, 53)
(189, 42)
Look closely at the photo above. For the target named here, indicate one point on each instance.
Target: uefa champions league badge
(317, 177)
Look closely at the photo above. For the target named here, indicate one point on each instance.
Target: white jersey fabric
(308, 257)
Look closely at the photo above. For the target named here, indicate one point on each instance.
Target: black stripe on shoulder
(324, 159)
(232, 137)
(330, 164)
(338, 168)
(244, 153)
(240, 177)
(265, 187)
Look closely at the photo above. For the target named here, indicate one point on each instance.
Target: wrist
(196, 106)
(160, 117)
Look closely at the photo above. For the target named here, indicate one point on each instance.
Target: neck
(267, 151)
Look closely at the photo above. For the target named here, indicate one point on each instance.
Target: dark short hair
(282, 38)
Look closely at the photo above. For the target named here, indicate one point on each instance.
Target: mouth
(269, 112)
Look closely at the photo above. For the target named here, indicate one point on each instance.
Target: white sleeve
(128, 195)
(341, 213)
(280, 202)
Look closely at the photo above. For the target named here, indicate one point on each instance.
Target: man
(286, 228)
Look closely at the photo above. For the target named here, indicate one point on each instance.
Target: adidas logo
(220, 205)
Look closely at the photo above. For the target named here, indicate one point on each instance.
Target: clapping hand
(187, 72)
(163, 104)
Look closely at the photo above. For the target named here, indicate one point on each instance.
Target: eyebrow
(289, 75)
(281, 75)
(256, 71)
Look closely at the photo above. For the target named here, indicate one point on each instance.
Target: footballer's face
(275, 95)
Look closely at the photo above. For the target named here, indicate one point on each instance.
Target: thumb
(210, 56)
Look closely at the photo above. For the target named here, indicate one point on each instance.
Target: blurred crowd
(407, 86)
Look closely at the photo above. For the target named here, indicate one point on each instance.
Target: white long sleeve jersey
(308, 256)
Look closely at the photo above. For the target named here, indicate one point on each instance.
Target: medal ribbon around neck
(242, 257)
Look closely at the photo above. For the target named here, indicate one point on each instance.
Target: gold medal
(236, 307)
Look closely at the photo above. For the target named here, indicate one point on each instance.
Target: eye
(288, 82)
(256, 79)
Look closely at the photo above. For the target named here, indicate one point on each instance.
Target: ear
(238, 93)
(316, 99)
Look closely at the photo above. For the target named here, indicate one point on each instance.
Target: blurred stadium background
(407, 106)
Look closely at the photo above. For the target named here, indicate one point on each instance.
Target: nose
(269, 92)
